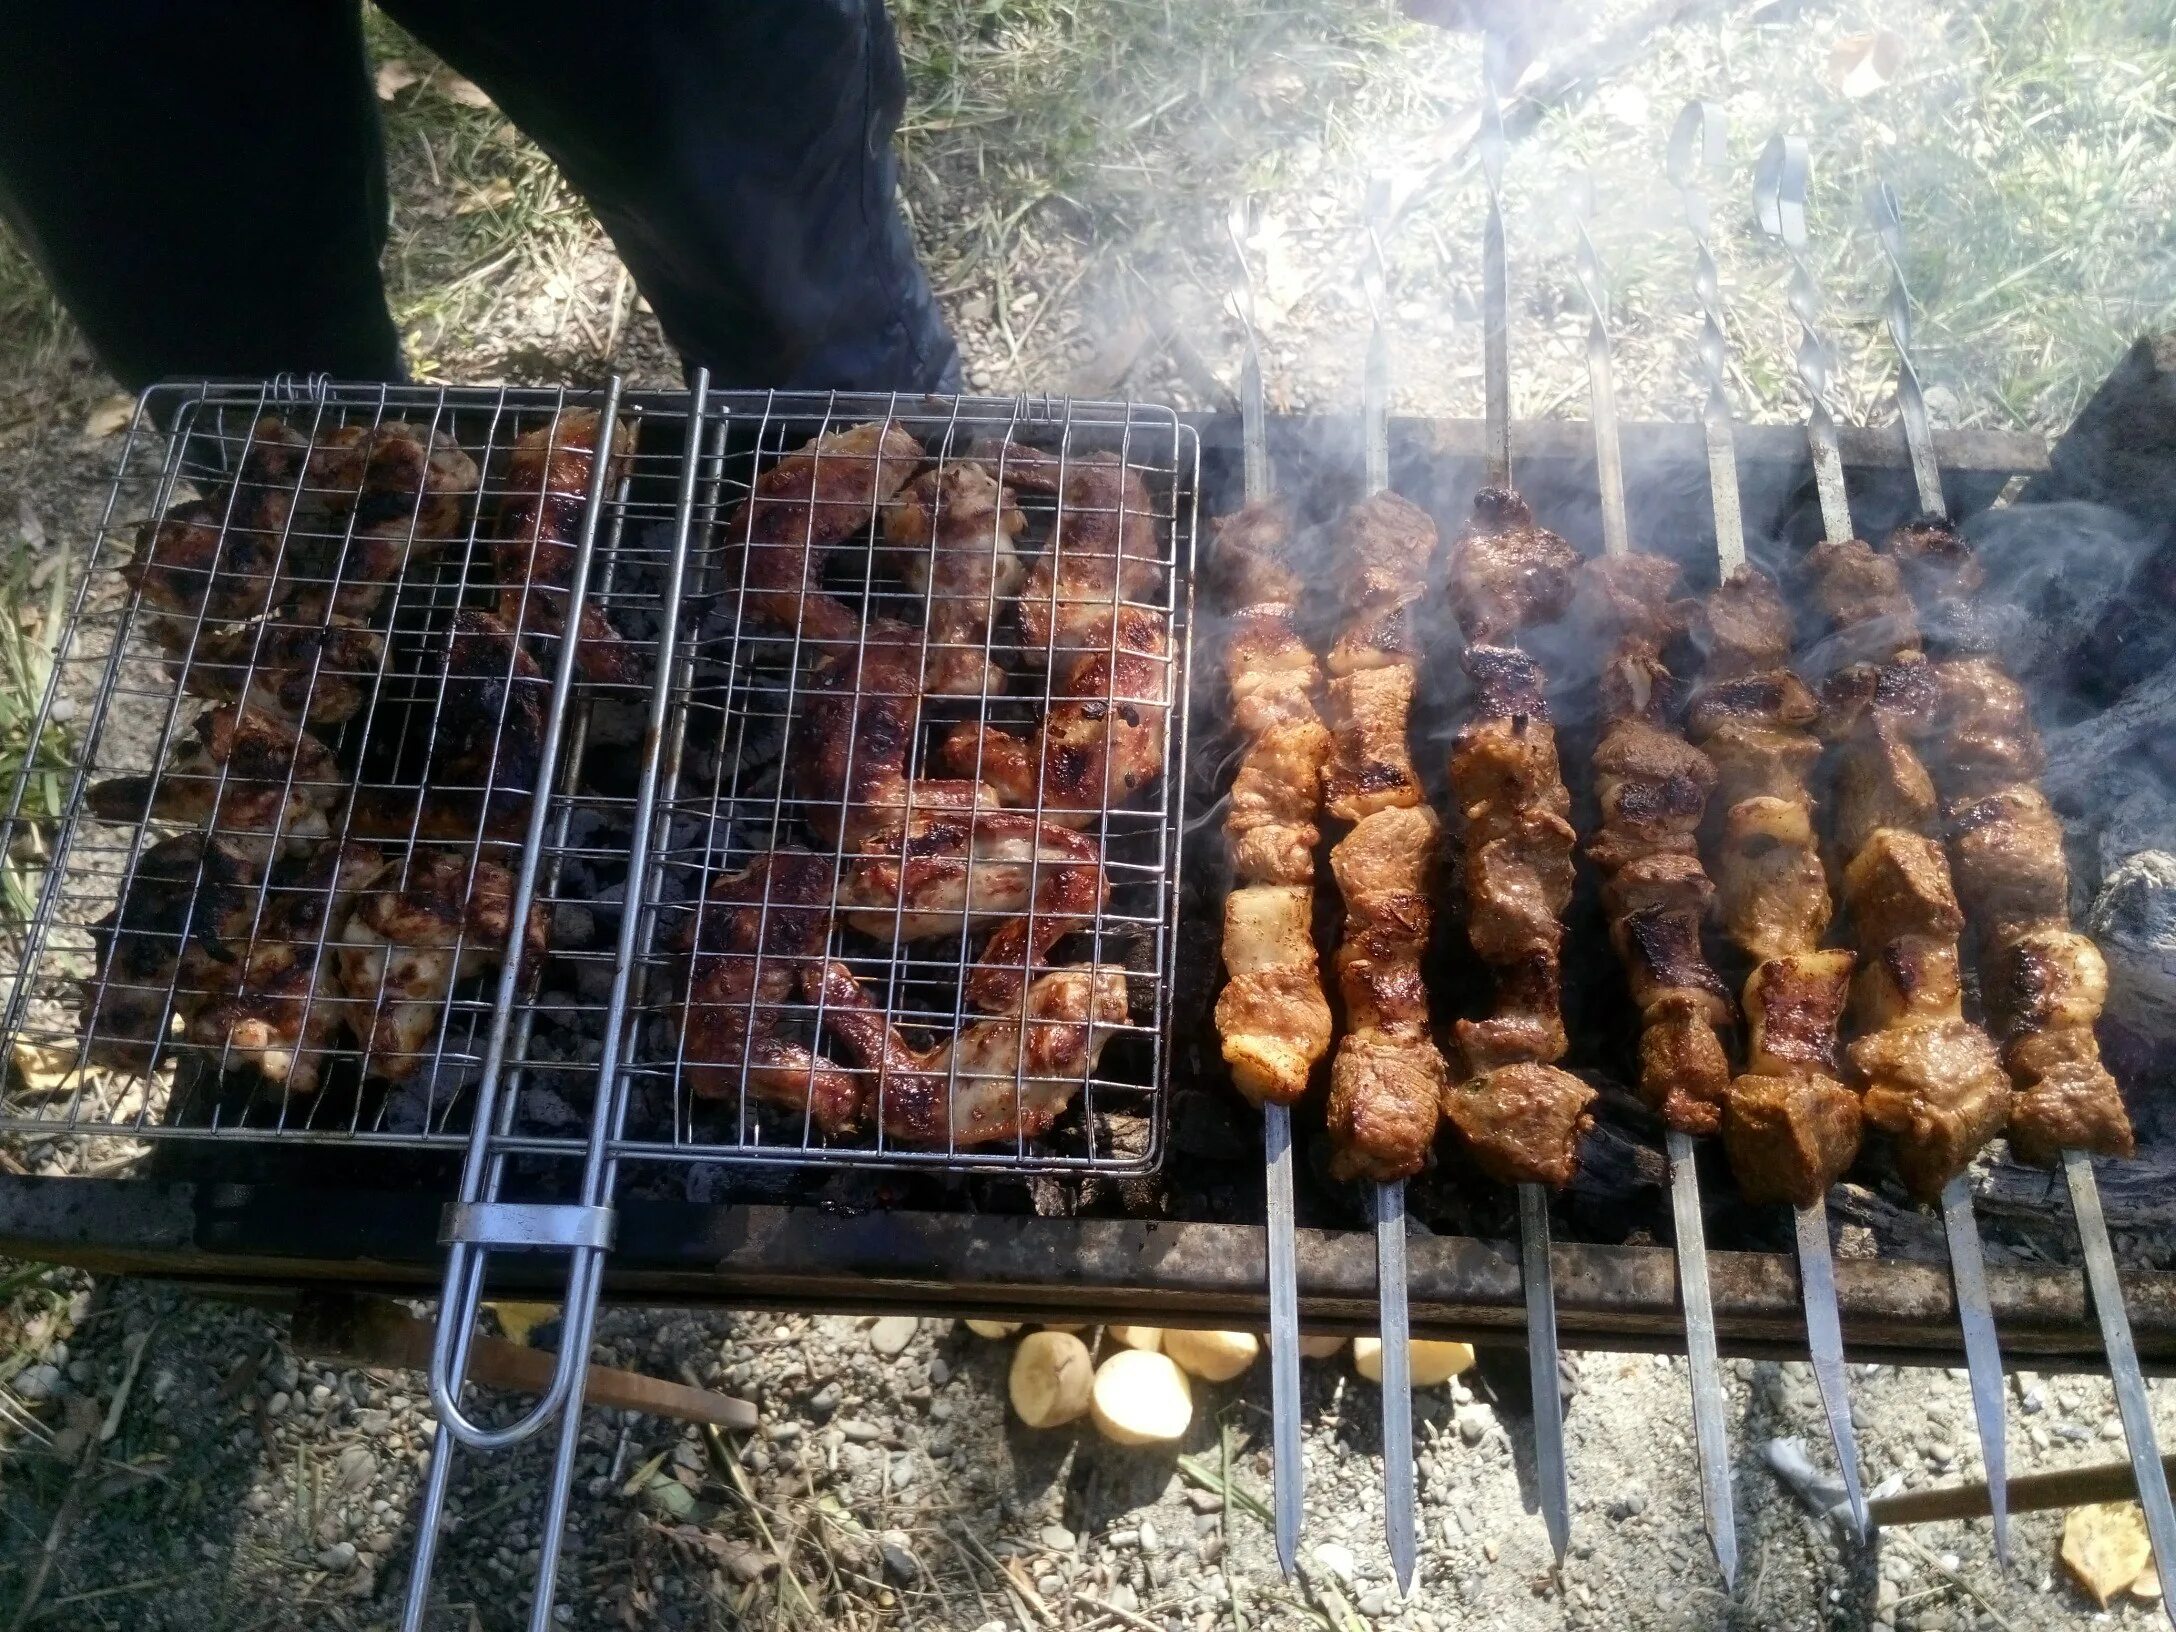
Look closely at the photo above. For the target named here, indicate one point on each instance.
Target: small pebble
(1337, 1558)
(1151, 1542)
(1375, 1601)
(1204, 1501)
(339, 1556)
(1057, 1538)
(892, 1334)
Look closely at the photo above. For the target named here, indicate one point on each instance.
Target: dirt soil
(166, 1463)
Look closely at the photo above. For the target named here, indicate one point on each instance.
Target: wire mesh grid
(307, 715)
(277, 892)
(936, 679)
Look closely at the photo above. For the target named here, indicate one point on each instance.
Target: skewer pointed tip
(1709, 1433)
(1983, 1358)
(1824, 1339)
(1542, 1360)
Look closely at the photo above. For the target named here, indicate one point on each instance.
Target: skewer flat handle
(1712, 1438)
(1289, 1493)
(1825, 1341)
(1398, 1480)
(1542, 1363)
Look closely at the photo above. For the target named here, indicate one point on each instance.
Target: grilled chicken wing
(169, 945)
(311, 673)
(756, 945)
(806, 505)
(1006, 1079)
(944, 871)
(1103, 549)
(422, 925)
(397, 494)
(950, 533)
(223, 556)
(258, 781)
(287, 1011)
(1101, 743)
(539, 534)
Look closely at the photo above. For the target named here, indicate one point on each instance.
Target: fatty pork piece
(260, 782)
(312, 673)
(397, 492)
(1507, 571)
(1370, 769)
(423, 924)
(539, 532)
(286, 1011)
(1005, 1079)
(755, 947)
(222, 557)
(168, 946)
(945, 871)
(1773, 889)
(1101, 743)
(950, 533)
(1272, 1016)
(805, 506)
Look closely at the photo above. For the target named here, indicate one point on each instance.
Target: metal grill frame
(208, 426)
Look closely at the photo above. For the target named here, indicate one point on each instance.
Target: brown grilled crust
(2044, 984)
(539, 533)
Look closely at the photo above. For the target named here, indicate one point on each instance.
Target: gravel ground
(243, 1489)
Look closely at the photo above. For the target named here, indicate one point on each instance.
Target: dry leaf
(2105, 1547)
(492, 195)
(395, 75)
(518, 1320)
(1861, 64)
(459, 89)
(109, 418)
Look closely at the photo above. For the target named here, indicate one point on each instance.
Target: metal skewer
(1779, 203)
(1692, 1247)
(1967, 1258)
(1398, 1478)
(1534, 1264)
(1697, 150)
(1284, 1317)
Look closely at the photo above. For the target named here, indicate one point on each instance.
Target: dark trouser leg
(739, 153)
(203, 184)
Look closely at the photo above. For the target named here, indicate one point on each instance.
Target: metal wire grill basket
(194, 885)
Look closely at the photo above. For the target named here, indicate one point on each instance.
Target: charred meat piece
(1006, 1079)
(1386, 1090)
(1773, 700)
(487, 745)
(1934, 560)
(1500, 764)
(397, 494)
(286, 1011)
(1506, 571)
(944, 871)
(2008, 852)
(803, 507)
(171, 943)
(1634, 597)
(757, 944)
(422, 925)
(1989, 741)
(539, 535)
(256, 780)
(950, 533)
(1104, 547)
(1101, 743)
(311, 673)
